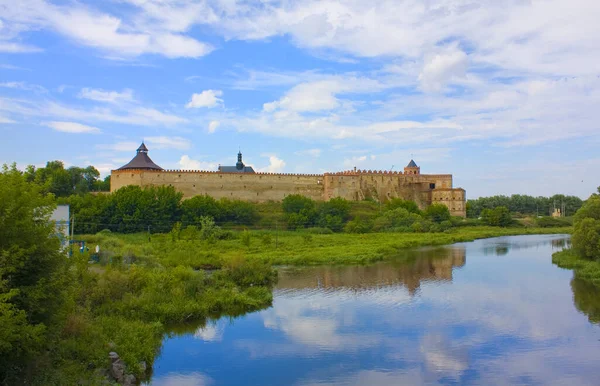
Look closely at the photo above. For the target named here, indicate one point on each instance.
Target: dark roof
(141, 161)
(234, 169)
(412, 164)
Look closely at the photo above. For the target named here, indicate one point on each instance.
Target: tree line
(525, 205)
(62, 182)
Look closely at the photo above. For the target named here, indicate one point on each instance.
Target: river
(490, 312)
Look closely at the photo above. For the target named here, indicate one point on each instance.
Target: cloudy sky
(505, 95)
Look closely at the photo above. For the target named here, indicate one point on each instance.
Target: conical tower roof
(412, 164)
(141, 161)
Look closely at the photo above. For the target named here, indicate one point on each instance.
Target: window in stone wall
(431, 186)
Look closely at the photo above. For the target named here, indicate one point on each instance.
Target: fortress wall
(424, 189)
(257, 187)
(454, 199)
(383, 186)
(119, 179)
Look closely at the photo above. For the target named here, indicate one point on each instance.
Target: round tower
(412, 168)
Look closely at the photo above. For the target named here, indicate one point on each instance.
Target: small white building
(61, 216)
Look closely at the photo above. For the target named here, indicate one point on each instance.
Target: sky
(504, 95)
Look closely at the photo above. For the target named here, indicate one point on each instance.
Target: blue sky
(503, 96)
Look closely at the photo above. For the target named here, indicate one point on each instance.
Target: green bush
(586, 235)
(497, 217)
(396, 203)
(437, 213)
(358, 225)
(552, 222)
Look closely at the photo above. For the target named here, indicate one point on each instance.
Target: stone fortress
(243, 183)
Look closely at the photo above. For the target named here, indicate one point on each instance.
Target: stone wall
(258, 187)
(424, 189)
(454, 199)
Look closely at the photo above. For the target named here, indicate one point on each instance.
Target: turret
(239, 165)
(412, 168)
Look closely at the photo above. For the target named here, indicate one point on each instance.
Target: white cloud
(23, 86)
(207, 98)
(106, 96)
(16, 48)
(213, 126)
(276, 165)
(73, 127)
(163, 142)
(186, 163)
(5, 120)
(87, 26)
(321, 95)
(442, 67)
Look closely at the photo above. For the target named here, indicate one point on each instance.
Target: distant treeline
(61, 182)
(526, 205)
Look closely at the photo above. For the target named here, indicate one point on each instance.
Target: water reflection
(428, 317)
(587, 298)
(408, 269)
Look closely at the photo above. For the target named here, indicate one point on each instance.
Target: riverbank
(285, 248)
(584, 269)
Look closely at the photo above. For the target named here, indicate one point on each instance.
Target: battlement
(181, 171)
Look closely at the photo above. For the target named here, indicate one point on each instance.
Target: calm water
(492, 312)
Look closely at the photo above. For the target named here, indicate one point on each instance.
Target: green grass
(289, 247)
(584, 269)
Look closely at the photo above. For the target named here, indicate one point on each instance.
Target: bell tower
(412, 168)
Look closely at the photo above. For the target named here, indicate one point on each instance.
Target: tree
(497, 217)
(300, 211)
(396, 203)
(586, 235)
(437, 213)
(33, 271)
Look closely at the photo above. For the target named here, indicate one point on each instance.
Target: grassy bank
(128, 308)
(584, 269)
(293, 248)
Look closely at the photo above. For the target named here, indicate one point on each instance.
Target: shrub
(208, 229)
(551, 222)
(333, 222)
(319, 231)
(267, 239)
(586, 235)
(307, 237)
(437, 213)
(245, 238)
(396, 203)
(358, 225)
(498, 217)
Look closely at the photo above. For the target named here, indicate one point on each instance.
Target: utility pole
(72, 232)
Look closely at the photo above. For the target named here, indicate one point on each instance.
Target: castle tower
(239, 165)
(141, 161)
(412, 168)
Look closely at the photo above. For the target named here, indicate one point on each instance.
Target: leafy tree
(295, 203)
(586, 235)
(437, 213)
(300, 211)
(396, 203)
(498, 217)
(333, 214)
(33, 272)
(197, 207)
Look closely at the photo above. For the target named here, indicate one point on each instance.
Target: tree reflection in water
(587, 299)
(408, 269)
